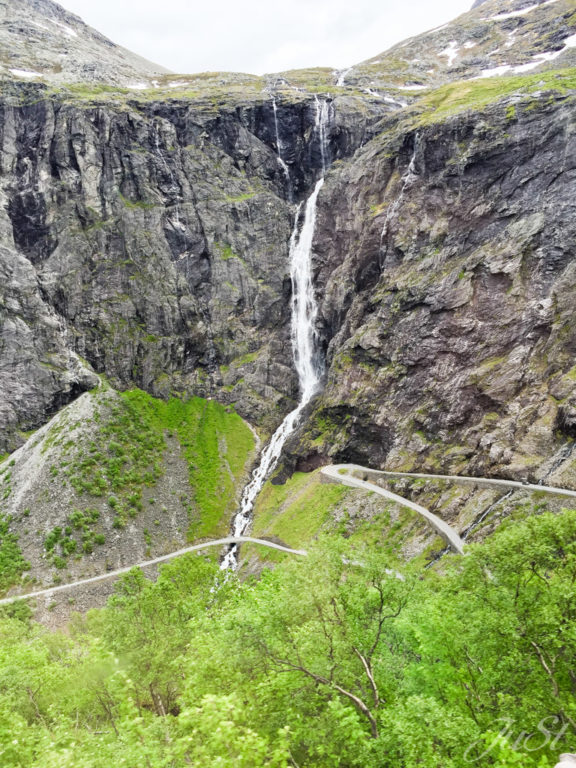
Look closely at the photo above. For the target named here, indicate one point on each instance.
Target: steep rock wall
(446, 267)
(148, 242)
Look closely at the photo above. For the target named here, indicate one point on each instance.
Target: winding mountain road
(485, 482)
(155, 561)
(341, 473)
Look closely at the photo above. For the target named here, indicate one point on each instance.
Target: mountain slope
(447, 277)
(39, 39)
(501, 36)
(114, 479)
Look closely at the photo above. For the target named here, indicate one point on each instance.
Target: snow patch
(138, 86)
(540, 58)
(451, 52)
(411, 87)
(526, 67)
(495, 71)
(68, 30)
(512, 14)
(470, 44)
(521, 12)
(25, 73)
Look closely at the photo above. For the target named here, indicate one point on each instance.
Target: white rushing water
(322, 122)
(279, 146)
(304, 342)
(341, 77)
(308, 367)
(407, 180)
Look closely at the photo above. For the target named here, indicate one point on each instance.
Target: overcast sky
(261, 36)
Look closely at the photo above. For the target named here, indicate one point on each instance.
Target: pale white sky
(261, 36)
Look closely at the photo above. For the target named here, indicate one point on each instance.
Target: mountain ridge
(65, 49)
(518, 35)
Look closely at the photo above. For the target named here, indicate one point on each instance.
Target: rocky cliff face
(149, 242)
(447, 274)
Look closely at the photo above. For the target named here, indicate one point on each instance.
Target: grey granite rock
(150, 239)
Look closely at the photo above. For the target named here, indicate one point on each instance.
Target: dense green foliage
(12, 564)
(330, 660)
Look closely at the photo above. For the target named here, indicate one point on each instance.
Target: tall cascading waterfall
(307, 359)
(279, 147)
(321, 124)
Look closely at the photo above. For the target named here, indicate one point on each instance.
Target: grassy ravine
(120, 458)
(294, 512)
(126, 455)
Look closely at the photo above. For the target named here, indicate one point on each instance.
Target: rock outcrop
(148, 241)
(446, 266)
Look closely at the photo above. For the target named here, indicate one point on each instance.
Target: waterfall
(304, 343)
(407, 180)
(321, 123)
(341, 81)
(279, 145)
(478, 522)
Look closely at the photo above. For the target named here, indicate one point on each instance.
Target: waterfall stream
(307, 359)
(407, 180)
(341, 77)
(279, 146)
(322, 122)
